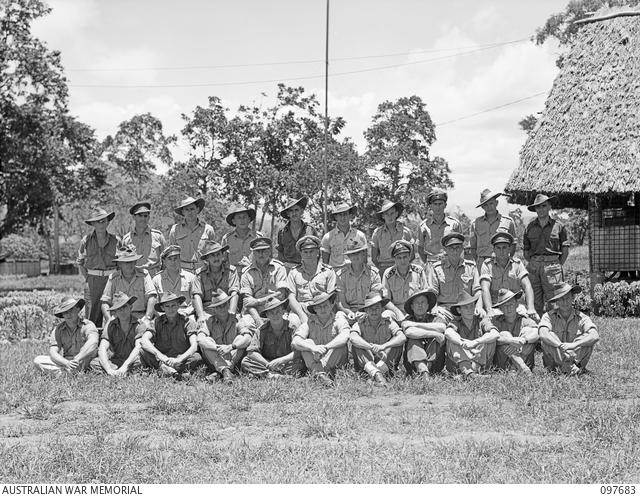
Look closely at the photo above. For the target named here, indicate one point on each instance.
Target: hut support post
(595, 276)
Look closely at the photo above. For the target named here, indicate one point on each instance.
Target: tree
(528, 124)
(47, 156)
(398, 145)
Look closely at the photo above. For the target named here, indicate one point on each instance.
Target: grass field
(506, 428)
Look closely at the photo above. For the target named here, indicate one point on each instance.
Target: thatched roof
(588, 138)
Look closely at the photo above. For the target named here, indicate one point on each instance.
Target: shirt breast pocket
(466, 282)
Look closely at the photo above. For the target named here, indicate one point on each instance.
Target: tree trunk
(273, 216)
(262, 216)
(56, 238)
(44, 232)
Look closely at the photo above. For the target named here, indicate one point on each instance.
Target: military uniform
(121, 341)
(399, 287)
(224, 334)
(544, 246)
(172, 340)
(286, 243)
(430, 234)
(501, 359)
(191, 242)
(427, 349)
(239, 246)
(509, 276)
(321, 334)
(226, 280)
(305, 286)
(254, 283)
(376, 334)
(480, 357)
(150, 244)
(452, 279)
(69, 342)
(481, 232)
(335, 242)
(382, 238)
(186, 285)
(355, 287)
(141, 286)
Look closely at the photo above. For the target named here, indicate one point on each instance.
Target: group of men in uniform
(238, 305)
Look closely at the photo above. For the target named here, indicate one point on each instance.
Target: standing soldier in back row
(484, 227)
(191, 233)
(545, 248)
(149, 242)
(433, 229)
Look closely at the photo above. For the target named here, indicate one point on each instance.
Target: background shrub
(25, 321)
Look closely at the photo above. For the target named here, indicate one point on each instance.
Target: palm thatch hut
(585, 149)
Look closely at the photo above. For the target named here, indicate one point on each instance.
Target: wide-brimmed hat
(140, 208)
(170, 250)
(320, 299)
(212, 248)
(308, 241)
(188, 201)
(540, 199)
(437, 194)
(120, 299)
(237, 209)
(217, 299)
(271, 303)
(561, 289)
(373, 298)
(487, 195)
(262, 242)
(502, 236)
(127, 254)
(463, 299)
(66, 304)
(400, 247)
(168, 297)
(505, 295)
(343, 207)
(388, 204)
(99, 215)
(452, 238)
(302, 202)
(431, 295)
(356, 246)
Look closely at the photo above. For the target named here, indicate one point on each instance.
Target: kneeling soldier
(170, 344)
(323, 338)
(424, 351)
(225, 339)
(270, 355)
(471, 340)
(568, 336)
(376, 339)
(73, 343)
(518, 334)
(119, 351)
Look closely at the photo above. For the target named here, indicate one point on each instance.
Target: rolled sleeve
(149, 287)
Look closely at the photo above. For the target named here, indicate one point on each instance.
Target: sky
(455, 55)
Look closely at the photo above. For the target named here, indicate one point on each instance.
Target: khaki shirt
(509, 277)
(577, 325)
(379, 333)
(431, 232)
(450, 279)
(191, 241)
(140, 286)
(254, 283)
(399, 288)
(186, 284)
(149, 244)
(545, 241)
(335, 242)
(382, 239)
(478, 327)
(92, 256)
(322, 333)
(355, 287)
(520, 323)
(271, 345)
(68, 341)
(239, 246)
(286, 242)
(172, 339)
(305, 286)
(482, 230)
(121, 341)
(227, 280)
(225, 333)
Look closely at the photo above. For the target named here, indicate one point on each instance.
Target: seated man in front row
(323, 338)
(270, 354)
(376, 339)
(518, 334)
(73, 343)
(225, 339)
(119, 350)
(568, 336)
(471, 340)
(170, 344)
